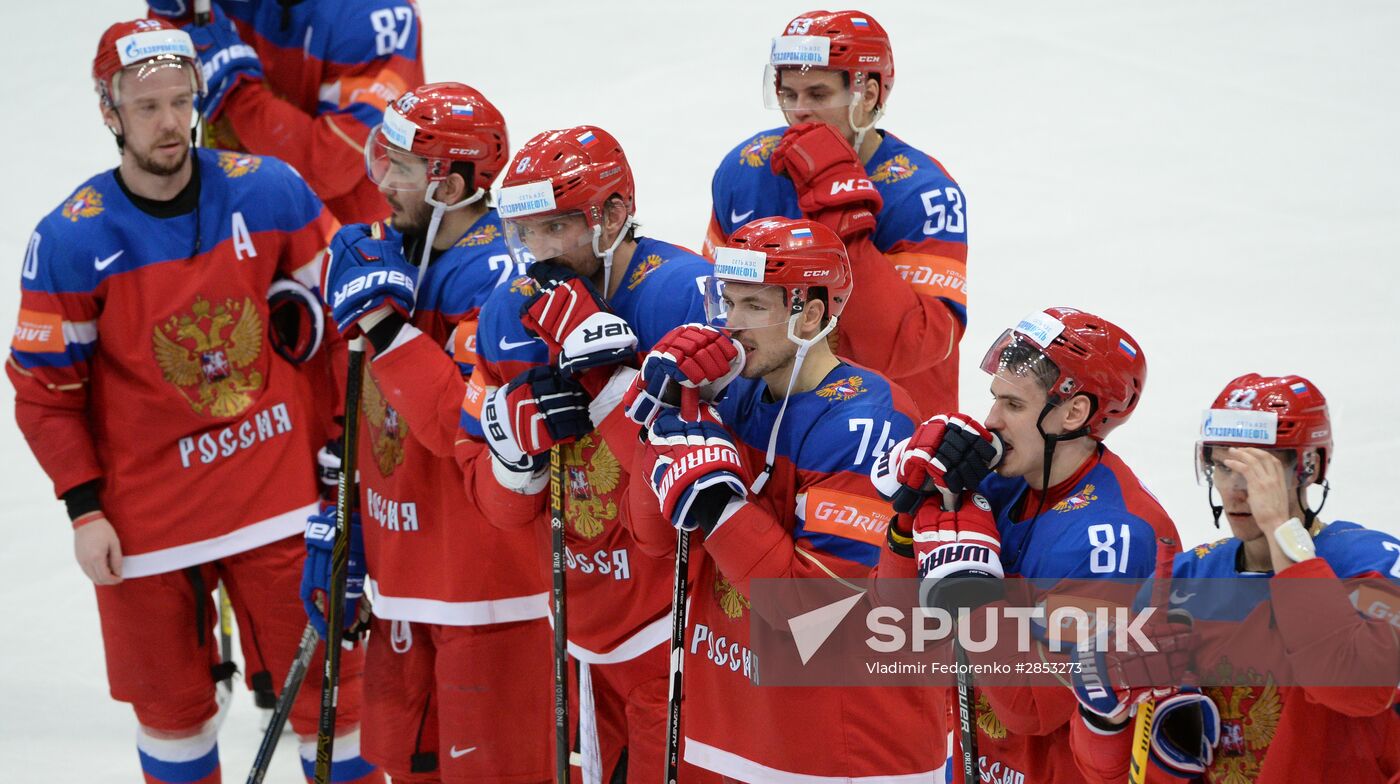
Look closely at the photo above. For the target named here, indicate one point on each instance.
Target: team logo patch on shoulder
(482, 236)
(210, 354)
(894, 170)
(524, 285)
(648, 264)
(237, 164)
(756, 152)
(1202, 550)
(844, 389)
(86, 203)
(1077, 501)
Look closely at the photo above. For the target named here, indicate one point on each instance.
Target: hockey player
(458, 655)
(791, 438)
(306, 81)
(1266, 440)
(901, 215)
(148, 389)
(569, 201)
(1061, 506)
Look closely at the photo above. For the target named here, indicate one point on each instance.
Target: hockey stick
(290, 687)
(561, 637)
(967, 713)
(1142, 725)
(202, 14)
(340, 562)
(678, 621)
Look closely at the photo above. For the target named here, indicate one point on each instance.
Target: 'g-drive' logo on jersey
(376, 278)
(1240, 427)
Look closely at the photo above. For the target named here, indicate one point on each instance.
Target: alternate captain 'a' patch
(894, 170)
(483, 236)
(86, 203)
(843, 389)
(648, 264)
(237, 164)
(756, 152)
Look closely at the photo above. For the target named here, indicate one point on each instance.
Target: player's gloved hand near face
(226, 61)
(364, 273)
(690, 356)
(696, 469)
(574, 321)
(950, 454)
(1109, 683)
(832, 186)
(958, 542)
(537, 410)
(316, 573)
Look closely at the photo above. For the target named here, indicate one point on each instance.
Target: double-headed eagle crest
(209, 353)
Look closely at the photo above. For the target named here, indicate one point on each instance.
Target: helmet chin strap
(1050, 442)
(607, 254)
(861, 130)
(439, 208)
(803, 346)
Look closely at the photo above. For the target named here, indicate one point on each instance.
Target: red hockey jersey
(141, 359)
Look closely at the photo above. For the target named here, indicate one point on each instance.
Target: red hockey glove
(832, 186)
(574, 321)
(691, 356)
(958, 543)
(949, 453)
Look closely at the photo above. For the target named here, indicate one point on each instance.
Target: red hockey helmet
(152, 42)
(796, 255)
(850, 41)
(575, 169)
(440, 123)
(1070, 353)
(1271, 412)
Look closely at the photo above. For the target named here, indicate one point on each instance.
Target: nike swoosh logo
(1180, 598)
(507, 345)
(736, 217)
(102, 264)
(460, 753)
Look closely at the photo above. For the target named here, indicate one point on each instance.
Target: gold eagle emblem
(386, 428)
(525, 286)
(756, 152)
(1077, 501)
(987, 720)
(483, 236)
(208, 355)
(648, 264)
(844, 389)
(894, 170)
(590, 479)
(1249, 718)
(237, 164)
(730, 600)
(86, 203)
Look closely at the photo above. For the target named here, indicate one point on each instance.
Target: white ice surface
(1219, 178)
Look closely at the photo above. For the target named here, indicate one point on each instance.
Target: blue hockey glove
(316, 573)
(225, 60)
(365, 271)
(696, 468)
(1185, 729)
